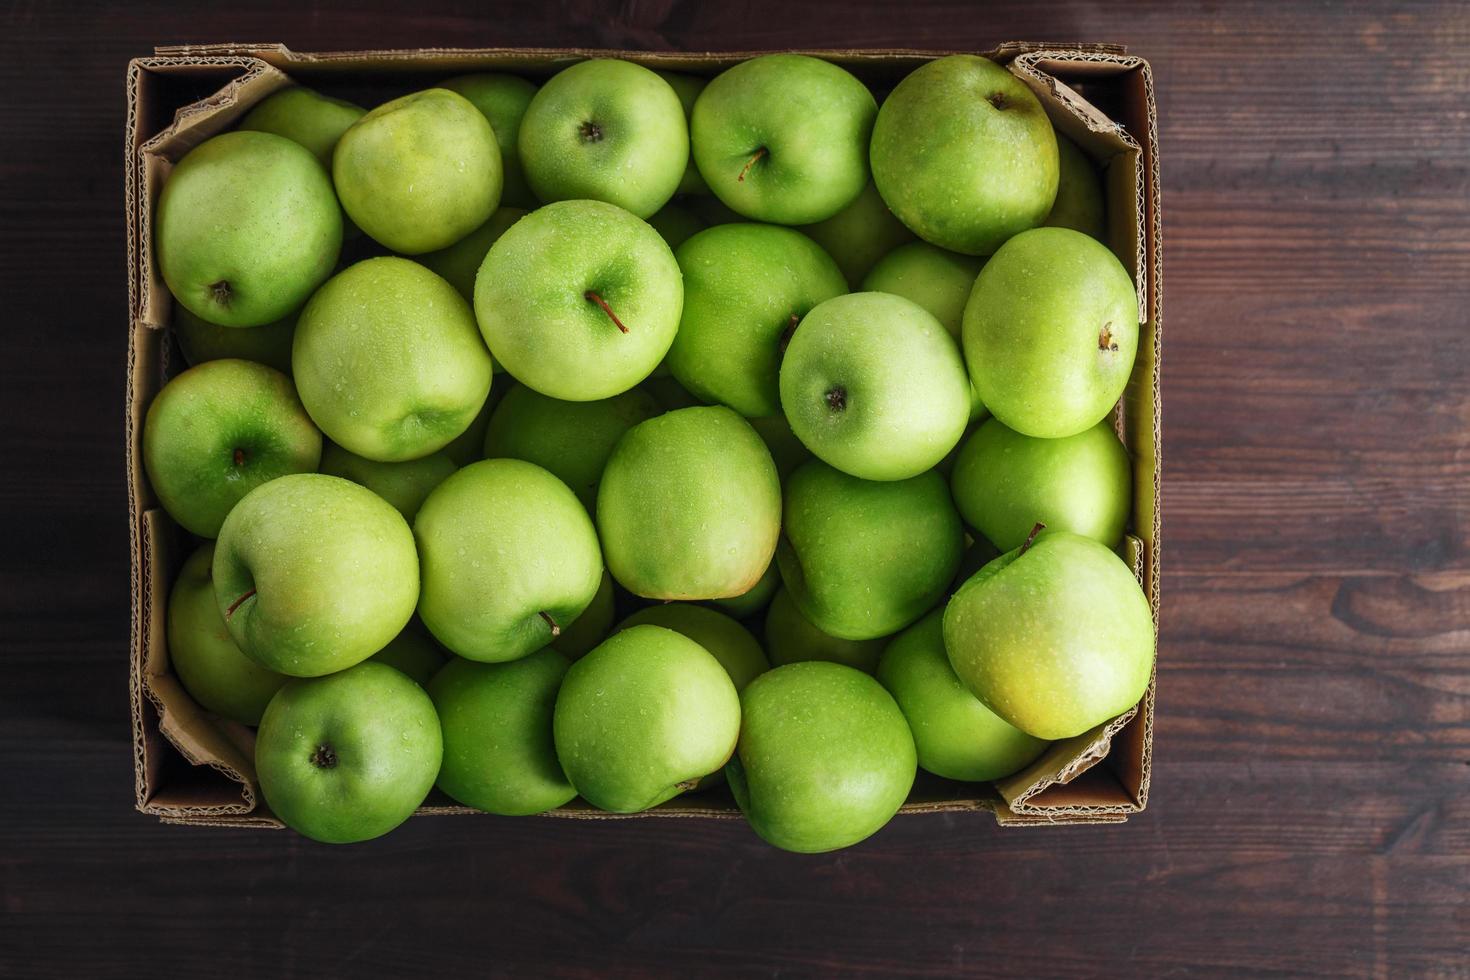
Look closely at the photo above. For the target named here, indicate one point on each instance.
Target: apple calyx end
(760, 152)
(1105, 341)
(555, 626)
(591, 132)
(998, 99)
(836, 398)
(220, 292)
(238, 603)
(1036, 529)
(325, 757)
(239, 457)
(592, 296)
(686, 785)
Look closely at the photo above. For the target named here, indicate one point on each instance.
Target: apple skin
(571, 439)
(592, 626)
(1050, 332)
(1056, 638)
(268, 344)
(313, 574)
(460, 263)
(503, 100)
(874, 385)
(956, 736)
(689, 506)
(1080, 202)
(247, 227)
(348, 757)
(745, 288)
(420, 172)
(218, 431)
(791, 638)
(412, 653)
(498, 750)
(388, 360)
(864, 559)
(606, 130)
(687, 88)
(860, 234)
(964, 154)
(824, 760)
(503, 542)
(643, 717)
(305, 116)
(405, 485)
(725, 639)
(938, 280)
(756, 598)
(537, 300)
(1004, 483)
(811, 118)
(205, 659)
(677, 224)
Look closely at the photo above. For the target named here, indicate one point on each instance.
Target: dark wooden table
(1311, 802)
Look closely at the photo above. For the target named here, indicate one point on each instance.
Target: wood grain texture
(1310, 813)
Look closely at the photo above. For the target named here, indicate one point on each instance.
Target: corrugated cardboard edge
(1029, 798)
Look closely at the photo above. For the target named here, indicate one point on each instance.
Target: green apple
(938, 280)
(875, 386)
(349, 757)
(503, 100)
(754, 599)
(746, 286)
(787, 452)
(1056, 638)
(687, 88)
(689, 506)
(218, 431)
(1079, 203)
(420, 172)
(412, 652)
(864, 559)
(460, 263)
(643, 717)
(469, 446)
(1004, 483)
(247, 226)
(791, 638)
(579, 300)
(204, 658)
(824, 760)
(313, 574)
(784, 138)
(498, 750)
(509, 556)
(964, 154)
(405, 485)
(590, 628)
(606, 130)
(860, 234)
(729, 642)
(388, 360)
(268, 344)
(956, 736)
(571, 439)
(1050, 332)
(677, 224)
(303, 115)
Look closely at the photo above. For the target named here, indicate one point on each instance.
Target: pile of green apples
(486, 369)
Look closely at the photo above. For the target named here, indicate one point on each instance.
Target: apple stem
(789, 332)
(239, 457)
(589, 294)
(555, 628)
(750, 163)
(686, 785)
(1036, 529)
(236, 604)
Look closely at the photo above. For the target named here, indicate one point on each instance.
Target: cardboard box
(195, 768)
